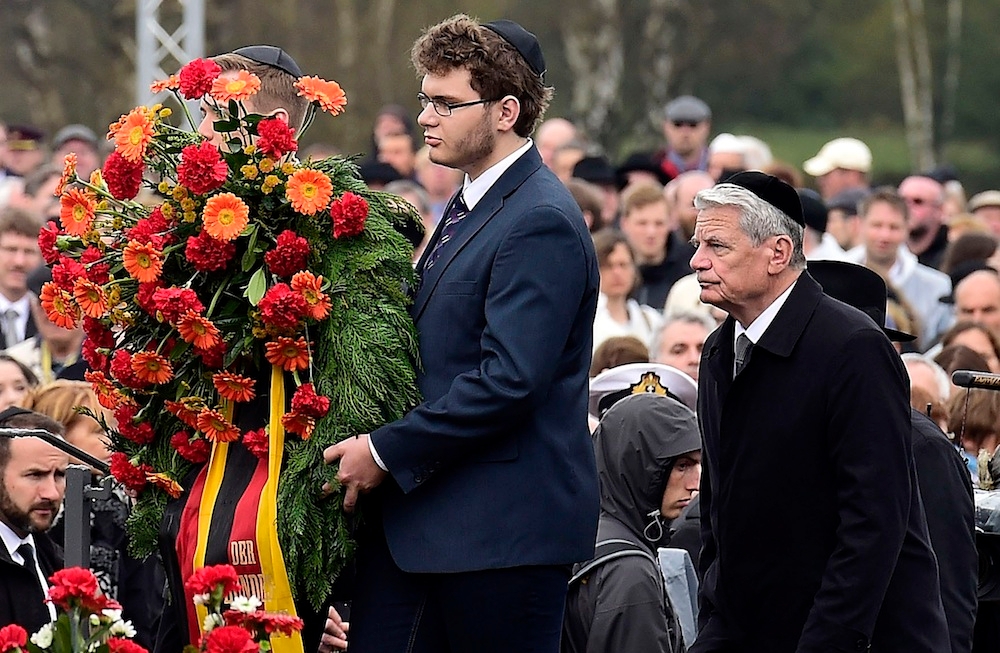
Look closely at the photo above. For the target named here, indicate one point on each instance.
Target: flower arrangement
(247, 261)
(88, 621)
(234, 623)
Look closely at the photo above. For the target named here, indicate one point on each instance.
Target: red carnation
(269, 622)
(66, 272)
(290, 254)
(74, 586)
(144, 295)
(174, 302)
(202, 169)
(132, 477)
(214, 357)
(228, 639)
(348, 213)
(141, 433)
(121, 369)
(282, 307)
(123, 645)
(195, 78)
(275, 138)
(208, 254)
(256, 442)
(307, 402)
(98, 332)
(152, 230)
(90, 352)
(12, 637)
(194, 450)
(124, 177)
(207, 579)
(47, 236)
(98, 272)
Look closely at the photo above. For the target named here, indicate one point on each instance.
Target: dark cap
(523, 41)
(596, 170)
(848, 200)
(74, 133)
(772, 190)
(272, 56)
(689, 109)
(813, 209)
(24, 138)
(641, 162)
(856, 286)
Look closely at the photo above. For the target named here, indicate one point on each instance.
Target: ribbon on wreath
(231, 517)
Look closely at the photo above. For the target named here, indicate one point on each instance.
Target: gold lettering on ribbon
(242, 552)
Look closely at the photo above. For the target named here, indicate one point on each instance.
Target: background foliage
(794, 72)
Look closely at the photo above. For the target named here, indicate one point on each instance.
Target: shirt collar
(22, 306)
(11, 539)
(474, 190)
(757, 328)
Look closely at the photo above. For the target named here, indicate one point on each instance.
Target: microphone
(973, 379)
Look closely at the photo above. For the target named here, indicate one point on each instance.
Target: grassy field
(978, 165)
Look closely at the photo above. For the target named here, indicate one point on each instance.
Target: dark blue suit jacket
(496, 468)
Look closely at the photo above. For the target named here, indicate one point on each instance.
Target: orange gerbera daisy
(59, 306)
(76, 212)
(295, 423)
(186, 410)
(225, 216)
(308, 285)
(198, 330)
(91, 298)
(165, 483)
(233, 386)
(161, 85)
(142, 261)
(134, 134)
(151, 367)
(68, 171)
(216, 427)
(107, 394)
(288, 353)
(309, 191)
(328, 95)
(239, 86)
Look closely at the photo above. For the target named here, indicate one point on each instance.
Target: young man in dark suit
(804, 400)
(483, 495)
(32, 486)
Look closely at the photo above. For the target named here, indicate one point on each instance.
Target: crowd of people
(752, 314)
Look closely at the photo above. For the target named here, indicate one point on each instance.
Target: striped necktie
(456, 214)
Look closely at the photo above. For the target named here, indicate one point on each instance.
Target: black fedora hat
(856, 286)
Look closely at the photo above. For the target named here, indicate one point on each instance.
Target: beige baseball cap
(847, 153)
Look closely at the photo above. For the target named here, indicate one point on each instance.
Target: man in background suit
(814, 537)
(19, 255)
(483, 495)
(32, 485)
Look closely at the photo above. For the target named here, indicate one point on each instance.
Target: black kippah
(12, 411)
(272, 56)
(772, 190)
(523, 41)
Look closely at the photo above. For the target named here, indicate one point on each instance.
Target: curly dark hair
(495, 66)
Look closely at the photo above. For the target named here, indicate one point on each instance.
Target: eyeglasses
(686, 123)
(444, 109)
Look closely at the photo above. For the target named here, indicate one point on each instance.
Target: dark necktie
(28, 554)
(455, 214)
(742, 351)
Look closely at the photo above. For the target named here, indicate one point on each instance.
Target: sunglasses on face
(686, 123)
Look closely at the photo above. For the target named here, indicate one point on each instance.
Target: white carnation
(245, 604)
(43, 638)
(211, 621)
(112, 615)
(122, 629)
(201, 599)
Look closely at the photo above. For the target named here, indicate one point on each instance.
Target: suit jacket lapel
(478, 217)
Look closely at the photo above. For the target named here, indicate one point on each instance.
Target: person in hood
(649, 463)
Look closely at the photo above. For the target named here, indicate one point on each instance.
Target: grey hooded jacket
(620, 605)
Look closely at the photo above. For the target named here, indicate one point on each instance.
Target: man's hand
(334, 634)
(358, 471)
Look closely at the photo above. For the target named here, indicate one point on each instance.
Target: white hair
(940, 376)
(759, 220)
